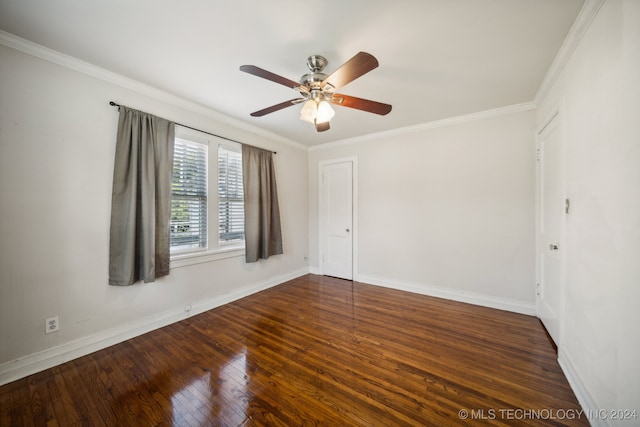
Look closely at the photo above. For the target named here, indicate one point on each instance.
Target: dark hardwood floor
(312, 351)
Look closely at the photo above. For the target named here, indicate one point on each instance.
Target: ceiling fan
(317, 90)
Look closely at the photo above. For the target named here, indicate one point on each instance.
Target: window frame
(237, 149)
(215, 249)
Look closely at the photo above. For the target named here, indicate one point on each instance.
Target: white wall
(599, 90)
(465, 227)
(57, 141)
(447, 211)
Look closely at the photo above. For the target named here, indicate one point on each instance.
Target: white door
(336, 220)
(551, 212)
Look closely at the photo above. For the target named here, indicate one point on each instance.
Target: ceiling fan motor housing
(313, 80)
(316, 64)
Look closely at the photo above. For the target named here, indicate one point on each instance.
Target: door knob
(553, 247)
(347, 230)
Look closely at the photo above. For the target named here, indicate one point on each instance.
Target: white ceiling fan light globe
(325, 112)
(309, 111)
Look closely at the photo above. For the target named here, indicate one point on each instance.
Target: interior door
(551, 213)
(336, 220)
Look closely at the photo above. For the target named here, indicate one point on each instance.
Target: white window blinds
(230, 195)
(189, 196)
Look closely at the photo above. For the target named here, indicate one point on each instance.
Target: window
(230, 196)
(200, 165)
(188, 225)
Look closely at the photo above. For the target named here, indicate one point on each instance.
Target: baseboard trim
(591, 410)
(507, 304)
(36, 362)
(314, 270)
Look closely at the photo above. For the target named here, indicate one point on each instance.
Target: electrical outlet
(52, 324)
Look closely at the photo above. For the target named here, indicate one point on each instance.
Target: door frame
(354, 212)
(557, 114)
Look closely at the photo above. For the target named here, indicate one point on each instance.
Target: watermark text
(547, 414)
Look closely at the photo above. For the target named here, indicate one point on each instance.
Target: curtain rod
(113, 104)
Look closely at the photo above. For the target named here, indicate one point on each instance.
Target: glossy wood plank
(312, 351)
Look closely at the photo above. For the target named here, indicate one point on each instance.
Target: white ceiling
(438, 58)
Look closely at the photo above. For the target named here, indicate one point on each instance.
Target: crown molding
(70, 62)
(577, 31)
(580, 26)
(502, 111)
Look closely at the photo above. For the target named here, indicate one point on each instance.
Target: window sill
(183, 260)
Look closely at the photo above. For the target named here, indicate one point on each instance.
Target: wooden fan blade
(357, 66)
(257, 71)
(321, 127)
(276, 107)
(361, 104)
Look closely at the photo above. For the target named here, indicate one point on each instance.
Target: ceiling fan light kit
(317, 89)
(314, 111)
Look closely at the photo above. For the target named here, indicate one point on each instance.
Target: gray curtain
(141, 200)
(263, 236)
